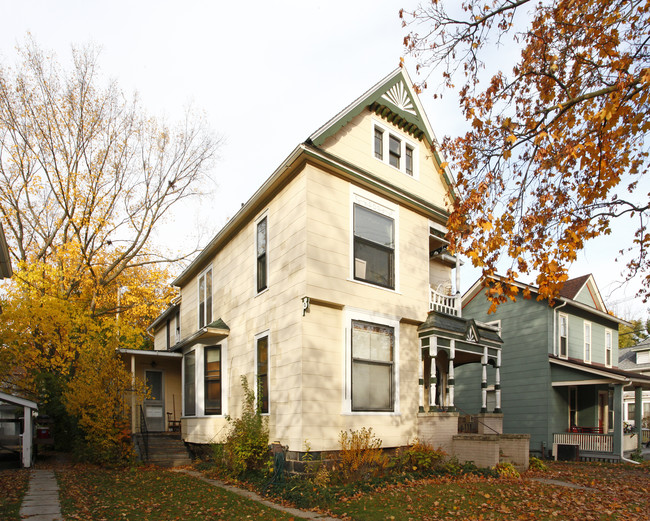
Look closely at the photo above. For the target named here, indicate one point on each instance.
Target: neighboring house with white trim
(636, 359)
(332, 287)
(560, 377)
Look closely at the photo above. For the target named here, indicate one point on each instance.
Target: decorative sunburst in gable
(398, 96)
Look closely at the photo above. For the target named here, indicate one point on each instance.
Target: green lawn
(150, 494)
(13, 486)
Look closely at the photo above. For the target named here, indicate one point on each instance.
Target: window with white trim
(372, 349)
(212, 380)
(205, 298)
(374, 247)
(563, 336)
(608, 347)
(262, 261)
(189, 384)
(402, 153)
(262, 371)
(587, 342)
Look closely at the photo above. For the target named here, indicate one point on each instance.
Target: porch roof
(149, 352)
(16, 400)
(460, 328)
(213, 332)
(574, 372)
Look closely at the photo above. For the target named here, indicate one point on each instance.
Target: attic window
(643, 357)
(402, 153)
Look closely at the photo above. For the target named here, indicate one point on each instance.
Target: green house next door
(154, 406)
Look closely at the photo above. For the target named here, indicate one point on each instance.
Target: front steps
(166, 449)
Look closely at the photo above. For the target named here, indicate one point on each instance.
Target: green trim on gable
(393, 99)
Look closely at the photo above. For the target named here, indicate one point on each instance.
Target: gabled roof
(16, 400)
(395, 99)
(478, 287)
(583, 287)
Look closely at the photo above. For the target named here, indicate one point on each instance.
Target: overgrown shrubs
(360, 456)
(246, 447)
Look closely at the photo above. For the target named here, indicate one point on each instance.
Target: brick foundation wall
(487, 450)
(438, 429)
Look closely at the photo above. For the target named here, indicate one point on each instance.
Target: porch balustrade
(448, 304)
(586, 442)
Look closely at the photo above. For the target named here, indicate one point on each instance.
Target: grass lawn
(611, 492)
(99, 494)
(13, 486)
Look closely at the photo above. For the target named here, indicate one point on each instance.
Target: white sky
(266, 74)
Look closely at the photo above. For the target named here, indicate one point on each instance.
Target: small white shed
(27, 437)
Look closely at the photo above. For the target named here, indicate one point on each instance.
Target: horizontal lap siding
(525, 372)
(355, 144)
(278, 310)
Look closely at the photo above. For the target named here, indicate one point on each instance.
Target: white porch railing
(586, 442)
(448, 304)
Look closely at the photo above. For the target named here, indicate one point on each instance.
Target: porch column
(459, 306)
(638, 416)
(618, 420)
(450, 378)
(497, 383)
(27, 437)
(433, 384)
(423, 351)
(133, 413)
(484, 362)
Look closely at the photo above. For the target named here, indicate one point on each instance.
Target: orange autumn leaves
(556, 149)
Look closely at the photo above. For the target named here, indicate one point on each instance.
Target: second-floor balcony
(442, 301)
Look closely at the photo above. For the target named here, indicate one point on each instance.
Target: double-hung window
(262, 255)
(374, 247)
(205, 298)
(189, 385)
(373, 347)
(608, 347)
(394, 149)
(212, 379)
(262, 357)
(563, 341)
(587, 338)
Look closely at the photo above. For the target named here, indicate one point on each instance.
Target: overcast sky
(266, 74)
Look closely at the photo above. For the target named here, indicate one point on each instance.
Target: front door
(154, 406)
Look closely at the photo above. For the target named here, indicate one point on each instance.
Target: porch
(584, 446)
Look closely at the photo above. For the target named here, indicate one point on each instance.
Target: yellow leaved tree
(86, 180)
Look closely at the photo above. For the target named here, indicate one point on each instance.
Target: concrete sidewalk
(41, 503)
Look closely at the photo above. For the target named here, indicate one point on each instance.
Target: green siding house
(559, 379)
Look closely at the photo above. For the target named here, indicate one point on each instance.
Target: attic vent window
(401, 153)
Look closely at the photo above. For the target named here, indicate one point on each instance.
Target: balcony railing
(586, 442)
(448, 304)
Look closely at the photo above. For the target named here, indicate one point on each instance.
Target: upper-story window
(608, 347)
(401, 152)
(261, 243)
(205, 298)
(587, 338)
(374, 247)
(563, 341)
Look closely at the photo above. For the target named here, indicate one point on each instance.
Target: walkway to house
(302, 514)
(41, 503)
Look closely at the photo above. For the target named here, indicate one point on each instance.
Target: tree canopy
(557, 147)
(86, 178)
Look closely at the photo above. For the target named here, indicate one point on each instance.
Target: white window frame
(609, 347)
(404, 142)
(588, 346)
(377, 204)
(199, 379)
(184, 377)
(221, 377)
(262, 216)
(263, 334)
(206, 319)
(352, 314)
(559, 335)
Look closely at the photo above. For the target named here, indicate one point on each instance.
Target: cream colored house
(333, 289)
